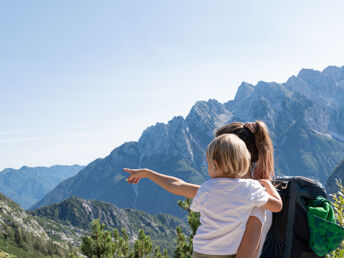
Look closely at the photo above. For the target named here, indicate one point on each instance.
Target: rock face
(28, 185)
(11, 213)
(338, 174)
(304, 116)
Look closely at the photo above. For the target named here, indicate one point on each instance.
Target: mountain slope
(23, 236)
(79, 213)
(304, 116)
(28, 185)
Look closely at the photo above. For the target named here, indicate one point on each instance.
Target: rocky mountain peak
(204, 118)
(295, 83)
(208, 112)
(244, 91)
(165, 137)
(336, 72)
(321, 83)
(270, 90)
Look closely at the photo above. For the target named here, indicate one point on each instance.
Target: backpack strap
(292, 196)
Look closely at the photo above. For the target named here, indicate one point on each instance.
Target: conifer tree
(143, 245)
(157, 253)
(99, 244)
(121, 243)
(102, 244)
(184, 243)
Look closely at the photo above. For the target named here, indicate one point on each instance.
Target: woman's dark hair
(259, 145)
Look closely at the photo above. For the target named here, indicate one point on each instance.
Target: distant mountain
(79, 213)
(338, 174)
(305, 116)
(28, 185)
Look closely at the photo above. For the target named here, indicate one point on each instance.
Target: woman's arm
(274, 203)
(250, 241)
(171, 184)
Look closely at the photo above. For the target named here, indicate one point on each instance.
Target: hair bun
(251, 126)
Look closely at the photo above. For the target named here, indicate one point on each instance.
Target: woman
(258, 142)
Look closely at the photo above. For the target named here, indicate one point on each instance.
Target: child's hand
(136, 174)
(274, 203)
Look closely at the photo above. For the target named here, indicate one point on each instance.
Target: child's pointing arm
(169, 183)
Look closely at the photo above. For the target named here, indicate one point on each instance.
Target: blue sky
(79, 78)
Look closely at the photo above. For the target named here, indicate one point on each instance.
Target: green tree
(143, 245)
(121, 243)
(99, 244)
(184, 243)
(157, 253)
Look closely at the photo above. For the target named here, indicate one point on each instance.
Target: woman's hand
(137, 174)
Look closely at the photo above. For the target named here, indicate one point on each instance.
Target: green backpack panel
(290, 234)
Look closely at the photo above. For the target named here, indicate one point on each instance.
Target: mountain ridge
(80, 213)
(303, 125)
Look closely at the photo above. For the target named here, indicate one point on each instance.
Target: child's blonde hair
(231, 155)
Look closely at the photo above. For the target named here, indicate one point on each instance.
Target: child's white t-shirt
(225, 205)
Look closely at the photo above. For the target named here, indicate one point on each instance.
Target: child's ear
(216, 165)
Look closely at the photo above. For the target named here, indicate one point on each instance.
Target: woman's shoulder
(216, 183)
(231, 183)
(251, 185)
(249, 182)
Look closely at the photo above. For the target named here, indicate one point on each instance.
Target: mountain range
(28, 185)
(304, 116)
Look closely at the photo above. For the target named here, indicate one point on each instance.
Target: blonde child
(226, 200)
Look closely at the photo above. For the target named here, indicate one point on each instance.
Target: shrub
(101, 243)
(338, 206)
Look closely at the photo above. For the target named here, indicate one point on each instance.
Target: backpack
(289, 234)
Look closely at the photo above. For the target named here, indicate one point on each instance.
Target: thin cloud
(20, 131)
(54, 137)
